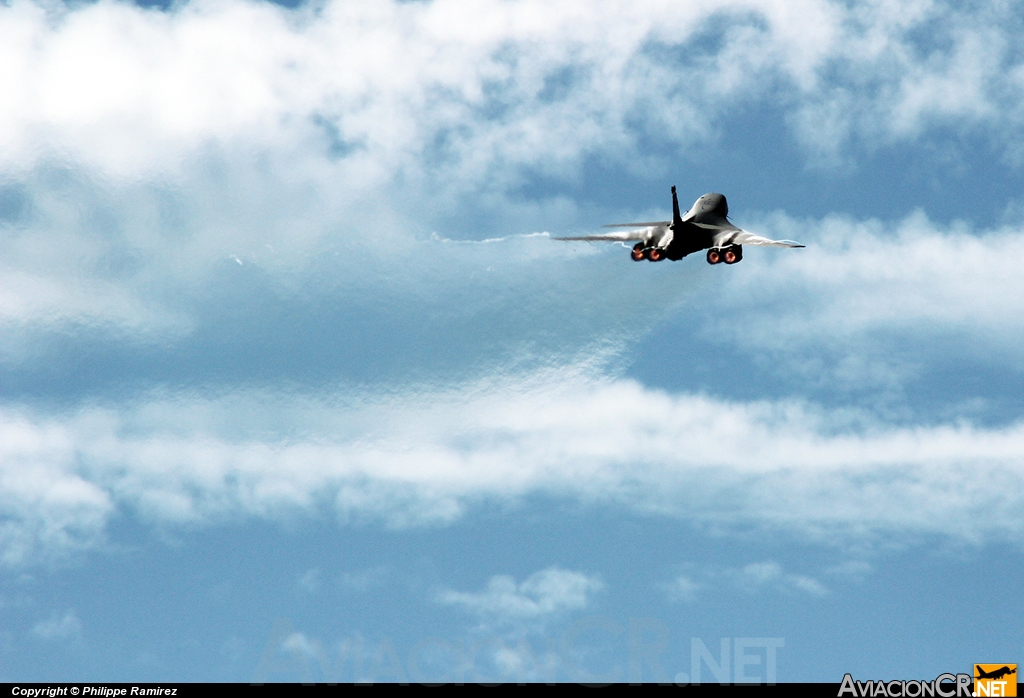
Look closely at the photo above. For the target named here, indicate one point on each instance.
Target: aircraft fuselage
(705, 226)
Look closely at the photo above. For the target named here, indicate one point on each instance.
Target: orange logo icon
(995, 680)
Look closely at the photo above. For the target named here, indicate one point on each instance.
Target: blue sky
(294, 383)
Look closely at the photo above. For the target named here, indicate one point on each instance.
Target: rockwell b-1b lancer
(705, 226)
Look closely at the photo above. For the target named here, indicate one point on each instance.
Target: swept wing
(742, 237)
(623, 236)
(651, 224)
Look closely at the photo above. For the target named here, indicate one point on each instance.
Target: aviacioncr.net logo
(942, 686)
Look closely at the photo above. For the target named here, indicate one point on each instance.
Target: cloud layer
(141, 151)
(427, 457)
(476, 87)
(221, 298)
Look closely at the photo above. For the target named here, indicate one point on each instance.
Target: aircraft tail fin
(677, 220)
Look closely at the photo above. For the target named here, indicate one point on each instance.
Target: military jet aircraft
(705, 226)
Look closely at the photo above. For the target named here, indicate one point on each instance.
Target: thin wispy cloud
(756, 577)
(759, 575)
(544, 595)
(682, 588)
(58, 627)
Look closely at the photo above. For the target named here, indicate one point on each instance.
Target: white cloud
(753, 577)
(541, 596)
(46, 504)
(153, 148)
(834, 312)
(480, 83)
(58, 627)
(299, 644)
(150, 149)
(758, 575)
(426, 457)
(682, 588)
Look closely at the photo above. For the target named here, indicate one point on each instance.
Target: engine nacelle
(732, 254)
